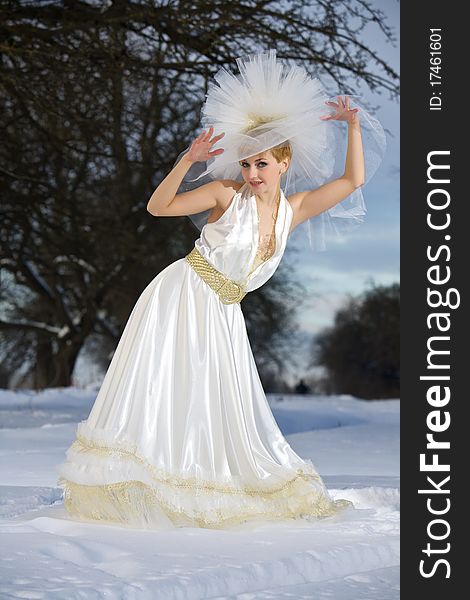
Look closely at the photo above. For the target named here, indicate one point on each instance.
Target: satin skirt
(181, 432)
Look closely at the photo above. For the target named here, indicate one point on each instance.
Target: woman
(181, 433)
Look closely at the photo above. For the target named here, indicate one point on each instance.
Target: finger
(216, 152)
(346, 102)
(209, 133)
(332, 103)
(217, 138)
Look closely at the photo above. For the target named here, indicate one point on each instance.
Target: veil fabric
(271, 103)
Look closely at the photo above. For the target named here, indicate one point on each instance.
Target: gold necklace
(265, 251)
(276, 210)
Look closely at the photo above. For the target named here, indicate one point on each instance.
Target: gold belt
(228, 290)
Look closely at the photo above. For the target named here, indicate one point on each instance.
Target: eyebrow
(257, 160)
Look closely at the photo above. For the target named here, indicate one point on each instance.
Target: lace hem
(133, 503)
(106, 479)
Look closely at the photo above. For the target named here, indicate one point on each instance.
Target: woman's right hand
(200, 148)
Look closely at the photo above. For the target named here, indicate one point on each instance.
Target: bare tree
(97, 101)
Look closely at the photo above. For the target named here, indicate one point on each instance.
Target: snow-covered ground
(353, 556)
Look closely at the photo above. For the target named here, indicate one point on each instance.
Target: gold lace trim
(135, 503)
(265, 251)
(82, 444)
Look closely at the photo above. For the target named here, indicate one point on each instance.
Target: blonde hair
(282, 151)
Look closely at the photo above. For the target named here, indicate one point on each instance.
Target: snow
(354, 445)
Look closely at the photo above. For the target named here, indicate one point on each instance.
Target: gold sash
(228, 290)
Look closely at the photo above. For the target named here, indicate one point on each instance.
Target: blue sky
(372, 252)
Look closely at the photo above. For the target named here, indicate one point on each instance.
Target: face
(262, 171)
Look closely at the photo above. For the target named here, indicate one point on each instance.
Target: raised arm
(165, 202)
(313, 202)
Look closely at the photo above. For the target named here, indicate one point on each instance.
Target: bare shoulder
(224, 191)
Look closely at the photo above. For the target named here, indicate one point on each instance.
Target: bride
(181, 432)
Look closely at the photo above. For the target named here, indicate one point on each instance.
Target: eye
(261, 164)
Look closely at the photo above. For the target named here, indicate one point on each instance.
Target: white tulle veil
(270, 103)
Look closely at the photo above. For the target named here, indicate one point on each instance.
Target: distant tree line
(361, 350)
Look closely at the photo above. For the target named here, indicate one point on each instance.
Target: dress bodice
(232, 245)
(266, 248)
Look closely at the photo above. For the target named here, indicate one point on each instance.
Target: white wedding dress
(181, 433)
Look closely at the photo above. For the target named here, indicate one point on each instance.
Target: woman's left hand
(342, 111)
